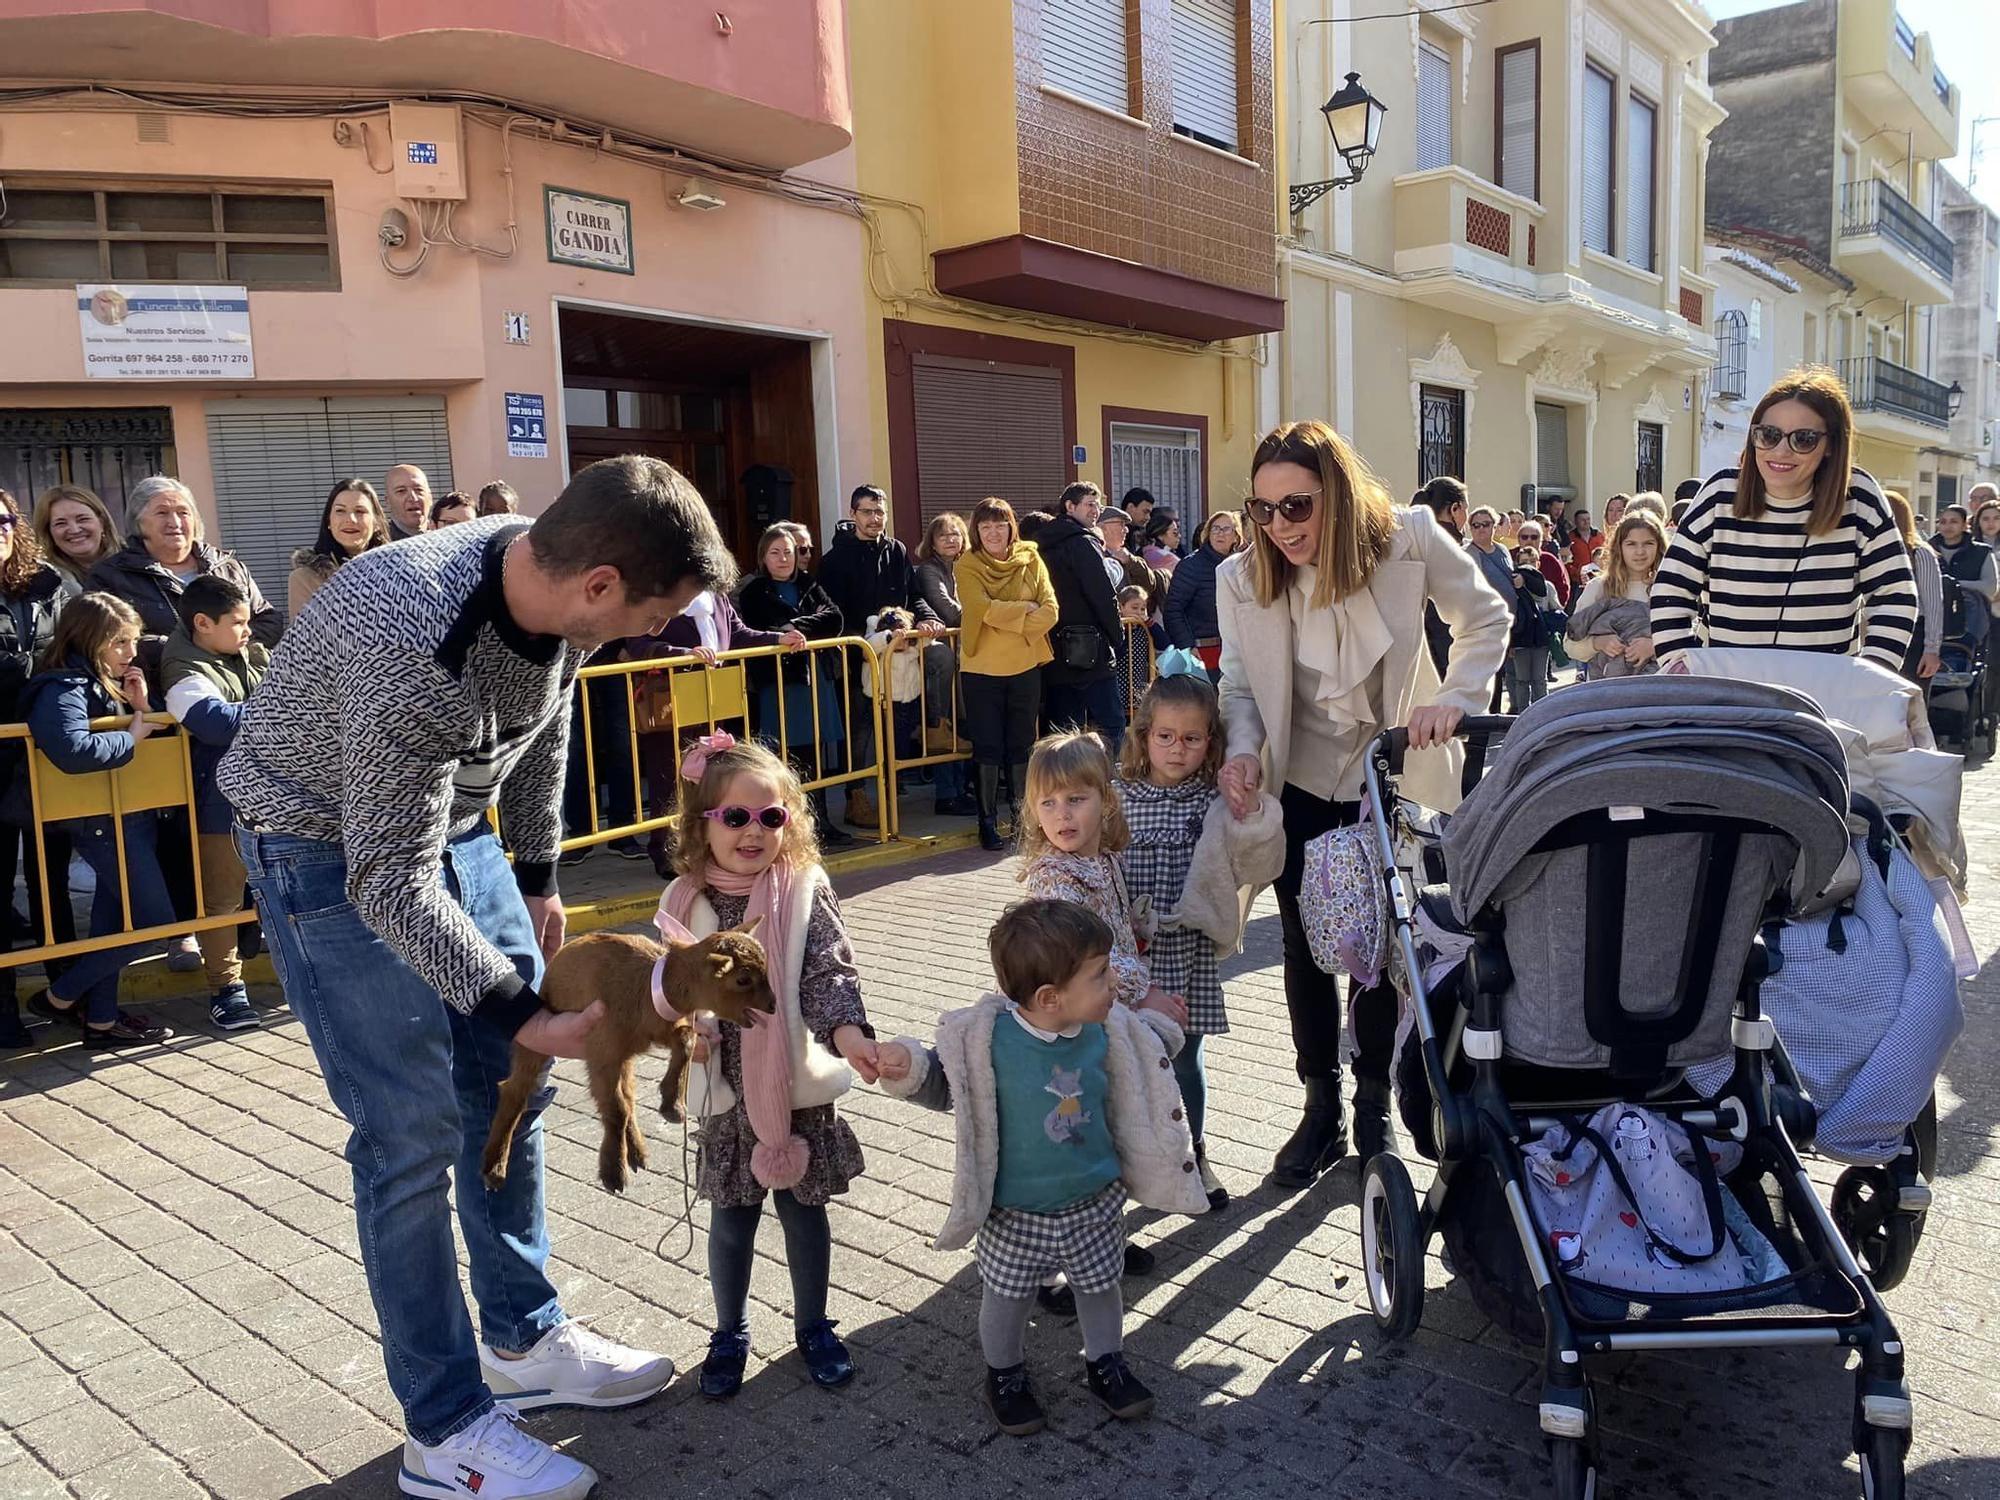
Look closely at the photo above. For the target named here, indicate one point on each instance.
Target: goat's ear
(721, 963)
(751, 926)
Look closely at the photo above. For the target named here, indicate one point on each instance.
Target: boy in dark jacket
(209, 669)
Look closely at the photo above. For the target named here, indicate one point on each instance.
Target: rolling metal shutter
(1641, 120)
(1551, 445)
(1164, 460)
(273, 462)
(1204, 37)
(1084, 50)
(1433, 108)
(987, 429)
(1520, 104)
(1598, 125)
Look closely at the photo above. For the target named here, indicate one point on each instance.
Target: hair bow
(1178, 661)
(694, 764)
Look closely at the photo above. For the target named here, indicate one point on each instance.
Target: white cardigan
(1259, 655)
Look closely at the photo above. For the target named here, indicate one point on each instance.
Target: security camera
(395, 228)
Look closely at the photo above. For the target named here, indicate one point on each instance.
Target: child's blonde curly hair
(801, 841)
(1062, 762)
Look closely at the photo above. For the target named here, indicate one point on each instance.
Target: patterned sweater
(398, 710)
(1096, 882)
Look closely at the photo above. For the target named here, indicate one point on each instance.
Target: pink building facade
(265, 246)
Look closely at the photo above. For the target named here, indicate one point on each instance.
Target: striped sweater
(1731, 582)
(398, 709)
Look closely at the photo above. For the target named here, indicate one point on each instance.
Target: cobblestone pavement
(182, 1311)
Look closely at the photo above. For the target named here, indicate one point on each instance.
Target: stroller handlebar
(1393, 744)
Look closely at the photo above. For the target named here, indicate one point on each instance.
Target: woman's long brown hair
(1356, 516)
(1617, 577)
(24, 559)
(1819, 388)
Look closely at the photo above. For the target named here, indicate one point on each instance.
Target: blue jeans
(92, 979)
(417, 1083)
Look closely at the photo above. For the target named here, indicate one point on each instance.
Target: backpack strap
(1711, 1197)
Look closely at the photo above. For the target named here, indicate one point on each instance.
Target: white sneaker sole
(438, 1489)
(538, 1400)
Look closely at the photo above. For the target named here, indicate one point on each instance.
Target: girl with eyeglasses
(1795, 547)
(762, 1099)
(1323, 647)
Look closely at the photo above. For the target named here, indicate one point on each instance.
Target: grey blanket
(1628, 619)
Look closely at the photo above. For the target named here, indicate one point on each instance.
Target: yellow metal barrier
(682, 695)
(948, 720)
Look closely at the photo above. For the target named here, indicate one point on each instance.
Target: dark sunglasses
(738, 817)
(8, 520)
(1293, 508)
(1800, 440)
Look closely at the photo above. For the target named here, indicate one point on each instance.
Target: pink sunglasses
(738, 817)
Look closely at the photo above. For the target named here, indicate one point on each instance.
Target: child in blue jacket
(90, 673)
(209, 667)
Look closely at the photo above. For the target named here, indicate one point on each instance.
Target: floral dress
(1093, 880)
(1166, 825)
(829, 998)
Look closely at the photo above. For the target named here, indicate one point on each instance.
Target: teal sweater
(1055, 1143)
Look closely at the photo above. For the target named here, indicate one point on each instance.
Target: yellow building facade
(1072, 248)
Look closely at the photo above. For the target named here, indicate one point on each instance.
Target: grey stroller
(1687, 812)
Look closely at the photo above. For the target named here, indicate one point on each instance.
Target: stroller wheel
(1882, 1236)
(1882, 1464)
(1392, 1249)
(1574, 1469)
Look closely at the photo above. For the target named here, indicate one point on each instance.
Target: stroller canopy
(1662, 743)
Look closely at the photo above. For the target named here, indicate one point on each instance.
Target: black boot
(1320, 1140)
(989, 806)
(1111, 1381)
(1012, 1401)
(831, 834)
(12, 1033)
(1017, 786)
(1374, 1131)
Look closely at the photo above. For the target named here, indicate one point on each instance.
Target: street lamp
(1354, 118)
(1953, 399)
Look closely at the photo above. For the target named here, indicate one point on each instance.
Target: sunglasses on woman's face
(1800, 439)
(8, 521)
(738, 817)
(1294, 508)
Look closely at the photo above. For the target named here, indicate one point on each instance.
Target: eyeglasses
(739, 817)
(1486, 525)
(1293, 508)
(1799, 440)
(8, 520)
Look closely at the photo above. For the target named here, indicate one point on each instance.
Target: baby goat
(724, 973)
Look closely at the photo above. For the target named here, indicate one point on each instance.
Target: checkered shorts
(1019, 1250)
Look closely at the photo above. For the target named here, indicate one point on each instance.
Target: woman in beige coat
(1322, 622)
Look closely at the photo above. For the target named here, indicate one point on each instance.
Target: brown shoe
(861, 809)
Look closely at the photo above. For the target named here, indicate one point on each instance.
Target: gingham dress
(829, 998)
(1166, 825)
(1018, 1251)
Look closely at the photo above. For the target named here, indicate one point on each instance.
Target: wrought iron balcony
(1874, 384)
(1874, 207)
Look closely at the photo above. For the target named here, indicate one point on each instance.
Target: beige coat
(1259, 654)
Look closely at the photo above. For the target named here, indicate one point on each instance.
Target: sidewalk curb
(150, 980)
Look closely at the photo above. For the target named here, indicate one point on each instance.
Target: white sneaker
(493, 1460)
(571, 1366)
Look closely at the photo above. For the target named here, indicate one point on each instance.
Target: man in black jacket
(865, 571)
(1080, 686)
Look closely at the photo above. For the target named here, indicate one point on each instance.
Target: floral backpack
(1344, 903)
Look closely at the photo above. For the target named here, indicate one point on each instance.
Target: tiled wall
(1135, 190)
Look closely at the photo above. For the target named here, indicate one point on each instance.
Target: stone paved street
(182, 1311)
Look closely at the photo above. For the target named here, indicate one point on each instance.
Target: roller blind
(1641, 123)
(1084, 50)
(1598, 125)
(273, 461)
(1204, 46)
(1433, 107)
(987, 429)
(1520, 85)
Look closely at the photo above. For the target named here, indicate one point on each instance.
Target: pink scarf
(779, 1158)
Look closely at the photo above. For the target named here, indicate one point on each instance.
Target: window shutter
(273, 462)
(1520, 101)
(1204, 38)
(1433, 107)
(987, 430)
(1163, 460)
(1551, 445)
(1084, 50)
(1598, 125)
(1641, 120)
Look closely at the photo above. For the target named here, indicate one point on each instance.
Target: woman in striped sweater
(1795, 548)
